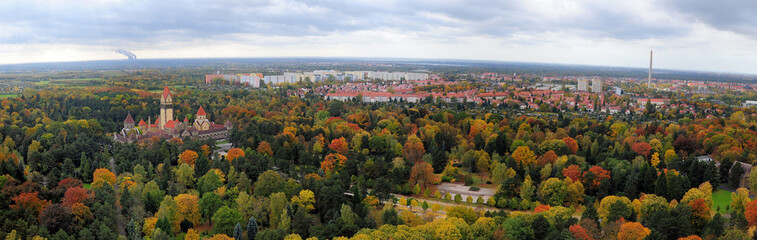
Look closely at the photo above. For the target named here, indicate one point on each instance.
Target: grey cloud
(739, 16)
(173, 20)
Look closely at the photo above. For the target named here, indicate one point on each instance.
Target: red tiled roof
(201, 112)
(142, 122)
(129, 119)
(166, 92)
(171, 124)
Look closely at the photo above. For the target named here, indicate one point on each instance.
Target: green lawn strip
(721, 198)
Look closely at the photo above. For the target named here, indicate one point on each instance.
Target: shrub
(458, 198)
(474, 189)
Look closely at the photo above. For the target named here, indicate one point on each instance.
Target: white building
(596, 85)
(583, 85)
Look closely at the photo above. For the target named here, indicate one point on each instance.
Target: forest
(307, 168)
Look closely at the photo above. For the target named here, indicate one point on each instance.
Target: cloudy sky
(704, 35)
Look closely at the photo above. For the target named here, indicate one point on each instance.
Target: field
(721, 198)
(73, 82)
(8, 95)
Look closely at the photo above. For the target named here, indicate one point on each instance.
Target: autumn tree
(56, 217)
(29, 201)
(339, 145)
(413, 149)
(579, 232)
(750, 213)
(595, 176)
(188, 157)
(524, 156)
(642, 148)
(189, 208)
(553, 191)
(332, 162)
(422, 174)
(265, 148)
(102, 177)
(548, 157)
(633, 231)
(77, 195)
(572, 144)
(234, 153)
(573, 172)
(305, 199)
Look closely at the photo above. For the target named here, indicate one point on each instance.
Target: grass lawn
(8, 95)
(87, 185)
(721, 198)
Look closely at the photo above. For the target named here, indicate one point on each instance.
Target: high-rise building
(583, 85)
(596, 85)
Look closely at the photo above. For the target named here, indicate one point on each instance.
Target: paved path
(119, 224)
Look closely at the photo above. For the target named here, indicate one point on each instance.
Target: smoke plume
(128, 54)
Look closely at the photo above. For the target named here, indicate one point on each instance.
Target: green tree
(268, 182)
(225, 220)
(209, 204)
(252, 228)
(276, 205)
(209, 182)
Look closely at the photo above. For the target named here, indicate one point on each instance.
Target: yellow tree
(189, 208)
(103, 176)
(655, 159)
(524, 156)
(305, 199)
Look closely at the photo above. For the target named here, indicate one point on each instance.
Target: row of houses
(254, 79)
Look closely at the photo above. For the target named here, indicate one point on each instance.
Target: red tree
(339, 145)
(579, 232)
(573, 172)
(548, 157)
(642, 148)
(542, 208)
(29, 201)
(751, 213)
(572, 144)
(67, 183)
(77, 195)
(599, 173)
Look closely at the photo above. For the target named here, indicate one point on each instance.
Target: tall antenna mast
(649, 79)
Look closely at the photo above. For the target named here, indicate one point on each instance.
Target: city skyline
(698, 35)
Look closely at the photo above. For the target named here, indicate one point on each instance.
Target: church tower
(201, 120)
(166, 108)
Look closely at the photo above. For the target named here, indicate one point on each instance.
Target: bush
(458, 198)
(491, 202)
(502, 202)
(474, 189)
(480, 200)
(468, 180)
(447, 179)
(469, 199)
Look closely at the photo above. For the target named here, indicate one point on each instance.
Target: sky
(701, 35)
